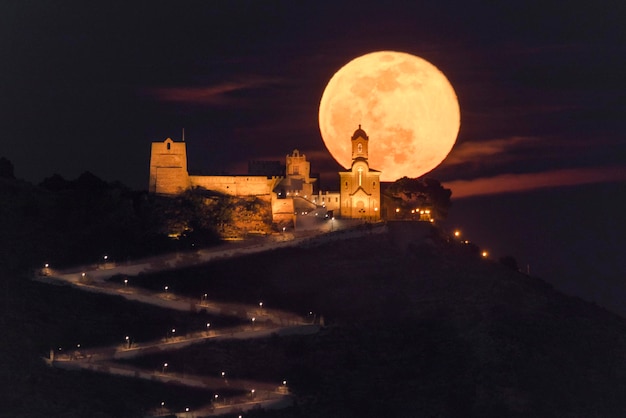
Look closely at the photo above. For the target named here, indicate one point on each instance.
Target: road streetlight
(208, 325)
(164, 368)
(166, 288)
(125, 282)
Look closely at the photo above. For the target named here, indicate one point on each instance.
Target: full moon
(406, 106)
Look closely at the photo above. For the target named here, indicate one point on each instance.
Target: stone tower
(360, 187)
(168, 167)
(298, 174)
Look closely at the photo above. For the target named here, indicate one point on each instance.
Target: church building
(360, 187)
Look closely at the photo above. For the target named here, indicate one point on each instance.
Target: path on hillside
(261, 322)
(172, 261)
(253, 393)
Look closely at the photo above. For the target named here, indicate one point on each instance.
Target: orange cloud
(508, 183)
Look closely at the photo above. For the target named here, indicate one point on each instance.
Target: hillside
(428, 330)
(417, 323)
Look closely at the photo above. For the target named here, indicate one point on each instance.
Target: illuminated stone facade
(169, 175)
(289, 194)
(360, 187)
(168, 168)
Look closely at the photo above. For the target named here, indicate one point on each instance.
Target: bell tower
(359, 144)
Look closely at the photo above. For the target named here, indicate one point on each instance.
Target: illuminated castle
(290, 192)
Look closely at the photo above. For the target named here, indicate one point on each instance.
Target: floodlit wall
(168, 167)
(236, 185)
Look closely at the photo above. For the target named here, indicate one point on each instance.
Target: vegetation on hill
(409, 194)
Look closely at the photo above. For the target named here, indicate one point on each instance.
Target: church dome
(359, 133)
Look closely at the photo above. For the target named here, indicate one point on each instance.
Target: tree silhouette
(6, 169)
(423, 193)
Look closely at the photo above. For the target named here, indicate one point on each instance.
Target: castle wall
(283, 211)
(236, 185)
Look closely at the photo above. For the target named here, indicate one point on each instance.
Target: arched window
(168, 145)
(359, 148)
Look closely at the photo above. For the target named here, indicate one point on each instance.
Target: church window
(296, 170)
(359, 148)
(373, 184)
(168, 145)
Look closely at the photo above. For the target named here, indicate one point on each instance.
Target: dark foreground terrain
(430, 329)
(425, 329)
(415, 326)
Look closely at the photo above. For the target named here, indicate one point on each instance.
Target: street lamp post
(164, 368)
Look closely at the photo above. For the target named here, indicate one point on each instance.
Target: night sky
(541, 86)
